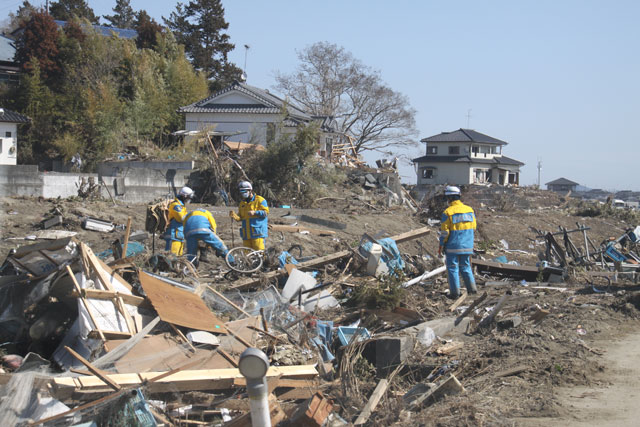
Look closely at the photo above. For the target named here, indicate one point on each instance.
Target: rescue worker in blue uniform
(252, 212)
(456, 238)
(200, 225)
(174, 235)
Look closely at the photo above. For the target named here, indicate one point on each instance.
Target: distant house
(123, 33)
(9, 69)
(9, 121)
(561, 185)
(465, 156)
(252, 115)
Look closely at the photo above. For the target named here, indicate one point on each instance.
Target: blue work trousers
(210, 239)
(464, 263)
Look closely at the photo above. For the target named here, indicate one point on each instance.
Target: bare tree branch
(329, 81)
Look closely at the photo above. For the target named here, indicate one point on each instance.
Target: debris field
(100, 325)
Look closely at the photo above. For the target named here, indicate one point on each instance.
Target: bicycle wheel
(245, 260)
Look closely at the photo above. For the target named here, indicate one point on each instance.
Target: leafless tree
(329, 81)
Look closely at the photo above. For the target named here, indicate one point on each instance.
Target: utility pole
(47, 7)
(468, 117)
(539, 169)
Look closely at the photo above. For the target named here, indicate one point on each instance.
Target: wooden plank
(178, 306)
(109, 295)
(297, 229)
(459, 301)
(450, 348)
(126, 238)
(193, 380)
(374, 399)
(512, 371)
(283, 383)
(95, 371)
(471, 307)
(317, 262)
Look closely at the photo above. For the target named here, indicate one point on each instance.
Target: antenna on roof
(246, 49)
(468, 117)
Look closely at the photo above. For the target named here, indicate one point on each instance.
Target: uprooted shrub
(282, 173)
(385, 294)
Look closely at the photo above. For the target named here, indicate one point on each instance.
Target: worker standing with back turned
(456, 238)
(252, 212)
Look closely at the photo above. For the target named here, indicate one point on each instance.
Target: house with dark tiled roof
(465, 156)
(252, 115)
(242, 108)
(9, 121)
(561, 185)
(9, 69)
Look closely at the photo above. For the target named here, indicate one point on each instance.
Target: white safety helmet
(186, 192)
(450, 190)
(245, 186)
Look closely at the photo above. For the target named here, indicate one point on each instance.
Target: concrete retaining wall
(132, 182)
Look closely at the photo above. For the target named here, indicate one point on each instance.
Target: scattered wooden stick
(95, 371)
(126, 239)
(458, 301)
(471, 308)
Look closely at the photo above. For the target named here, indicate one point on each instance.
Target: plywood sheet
(180, 307)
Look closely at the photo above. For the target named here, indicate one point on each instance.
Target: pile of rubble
(362, 335)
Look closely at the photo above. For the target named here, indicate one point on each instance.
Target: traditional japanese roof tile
(464, 135)
(562, 181)
(8, 116)
(266, 103)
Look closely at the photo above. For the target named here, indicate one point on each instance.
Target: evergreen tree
(39, 40)
(147, 29)
(21, 16)
(65, 10)
(199, 26)
(123, 17)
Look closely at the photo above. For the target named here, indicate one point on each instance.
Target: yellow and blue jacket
(177, 213)
(256, 226)
(199, 221)
(457, 229)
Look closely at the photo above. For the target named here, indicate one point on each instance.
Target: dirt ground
(576, 364)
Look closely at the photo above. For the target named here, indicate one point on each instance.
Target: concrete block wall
(20, 180)
(132, 182)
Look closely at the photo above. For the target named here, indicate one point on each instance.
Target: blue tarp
(395, 262)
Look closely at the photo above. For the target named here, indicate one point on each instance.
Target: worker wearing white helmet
(456, 238)
(252, 212)
(174, 235)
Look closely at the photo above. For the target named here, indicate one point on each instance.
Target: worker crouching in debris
(456, 237)
(252, 211)
(177, 212)
(199, 225)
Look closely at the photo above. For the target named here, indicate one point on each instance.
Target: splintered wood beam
(191, 380)
(95, 371)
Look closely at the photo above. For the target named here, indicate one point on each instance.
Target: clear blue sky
(557, 80)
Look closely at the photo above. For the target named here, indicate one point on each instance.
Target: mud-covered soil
(565, 349)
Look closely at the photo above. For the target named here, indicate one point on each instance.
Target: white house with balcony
(465, 156)
(9, 121)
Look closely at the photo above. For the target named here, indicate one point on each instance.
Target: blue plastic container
(345, 333)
